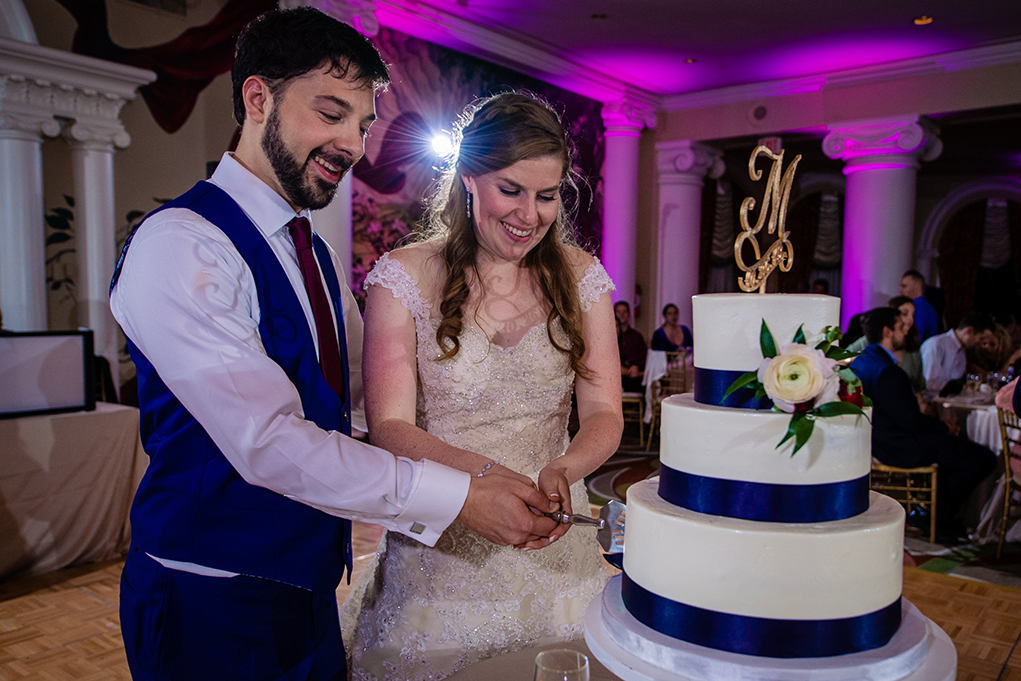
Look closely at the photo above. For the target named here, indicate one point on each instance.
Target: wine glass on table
(561, 664)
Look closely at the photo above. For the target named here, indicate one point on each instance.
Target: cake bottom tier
(725, 573)
(919, 651)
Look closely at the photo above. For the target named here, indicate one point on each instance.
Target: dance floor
(64, 625)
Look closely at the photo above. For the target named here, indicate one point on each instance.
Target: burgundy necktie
(329, 351)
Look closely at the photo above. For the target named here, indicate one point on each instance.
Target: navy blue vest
(192, 505)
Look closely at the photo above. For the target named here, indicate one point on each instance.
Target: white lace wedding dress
(425, 613)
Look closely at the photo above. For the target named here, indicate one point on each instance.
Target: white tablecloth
(66, 484)
(655, 369)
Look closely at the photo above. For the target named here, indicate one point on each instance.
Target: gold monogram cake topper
(781, 252)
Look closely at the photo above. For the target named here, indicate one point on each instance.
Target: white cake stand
(919, 651)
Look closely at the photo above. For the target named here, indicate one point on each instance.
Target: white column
(92, 146)
(623, 123)
(22, 232)
(682, 165)
(334, 224)
(881, 160)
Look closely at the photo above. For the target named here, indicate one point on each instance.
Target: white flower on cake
(804, 381)
(799, 377)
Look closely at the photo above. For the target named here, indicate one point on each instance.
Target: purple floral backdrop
(430, 87)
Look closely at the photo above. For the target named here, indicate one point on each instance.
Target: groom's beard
(312, 193)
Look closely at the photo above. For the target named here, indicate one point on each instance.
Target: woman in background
(671, 335)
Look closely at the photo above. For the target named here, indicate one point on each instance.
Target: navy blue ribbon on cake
(712, 384)
(764, 502)
(760, 636)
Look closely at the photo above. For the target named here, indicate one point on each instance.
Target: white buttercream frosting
(726, 325)
(811, 571)
(740, 444)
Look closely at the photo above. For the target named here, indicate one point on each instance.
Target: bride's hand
(554, 485)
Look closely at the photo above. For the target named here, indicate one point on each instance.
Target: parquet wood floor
(64, 626)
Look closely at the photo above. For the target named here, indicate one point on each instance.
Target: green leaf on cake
(791, 429)
(803, 431)
(767, 342)
(799, 337)
(742, 381)
(848, 376)
(836, 409)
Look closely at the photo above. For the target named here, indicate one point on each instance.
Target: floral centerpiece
(805, 381)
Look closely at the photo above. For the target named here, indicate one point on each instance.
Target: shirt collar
(264, 207)
(889, 352)
(956, 340)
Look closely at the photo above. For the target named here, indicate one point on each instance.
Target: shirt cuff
(435, 502)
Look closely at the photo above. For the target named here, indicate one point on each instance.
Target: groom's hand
(497, 508)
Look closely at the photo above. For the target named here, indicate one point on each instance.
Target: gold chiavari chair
(1010, 435)
(911, 487)
(674, 382)
(633, 407)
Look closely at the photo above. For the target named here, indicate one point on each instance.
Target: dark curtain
(705, 239)
(802, 227)
(1014, 221)
(960, 250)
(184, 66)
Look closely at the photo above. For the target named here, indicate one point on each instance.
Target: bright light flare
(442, 144)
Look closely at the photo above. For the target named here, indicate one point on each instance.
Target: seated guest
(854, 331)
(904, 437)
(944, 358)
(631, 345)
(911, 358)
(912, 285)
(995, 353)
(671, 335)
(1009, 398)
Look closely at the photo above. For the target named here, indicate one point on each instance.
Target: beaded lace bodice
(427, 612)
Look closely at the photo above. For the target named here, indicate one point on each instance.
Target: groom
(248, 350)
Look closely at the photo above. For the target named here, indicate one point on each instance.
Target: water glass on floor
(561, 664)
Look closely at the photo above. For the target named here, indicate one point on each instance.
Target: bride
(475, 338)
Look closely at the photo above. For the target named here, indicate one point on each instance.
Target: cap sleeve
(593, 284)
(391, 275)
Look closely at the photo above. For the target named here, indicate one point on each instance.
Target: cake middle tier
(725, 461)
(784, 571)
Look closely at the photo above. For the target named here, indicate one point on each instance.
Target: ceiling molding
(45, 64)
(517, 52)
(978, 57)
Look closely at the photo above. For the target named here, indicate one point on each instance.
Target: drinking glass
(561, 664)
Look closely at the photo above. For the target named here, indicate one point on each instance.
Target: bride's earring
(468, 204)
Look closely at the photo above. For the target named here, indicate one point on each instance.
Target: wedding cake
(759, 551)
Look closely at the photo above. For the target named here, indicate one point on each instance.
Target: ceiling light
(923, 20)
(690, 60)
(599, 16)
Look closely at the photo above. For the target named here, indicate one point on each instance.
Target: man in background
(912, 285)
(943, 356)
(632, 348)
(904, 437)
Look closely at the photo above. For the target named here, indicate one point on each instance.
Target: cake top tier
(726, 326)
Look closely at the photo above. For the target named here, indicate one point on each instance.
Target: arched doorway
(971, 246)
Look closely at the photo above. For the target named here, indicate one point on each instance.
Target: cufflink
(417, 528)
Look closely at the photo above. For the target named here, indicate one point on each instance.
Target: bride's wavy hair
(492, 134)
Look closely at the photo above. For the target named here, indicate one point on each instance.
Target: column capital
(687, 158)
(900, 141)
(358, 13)
(23, 109)
(97, 134)
(625, 118)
